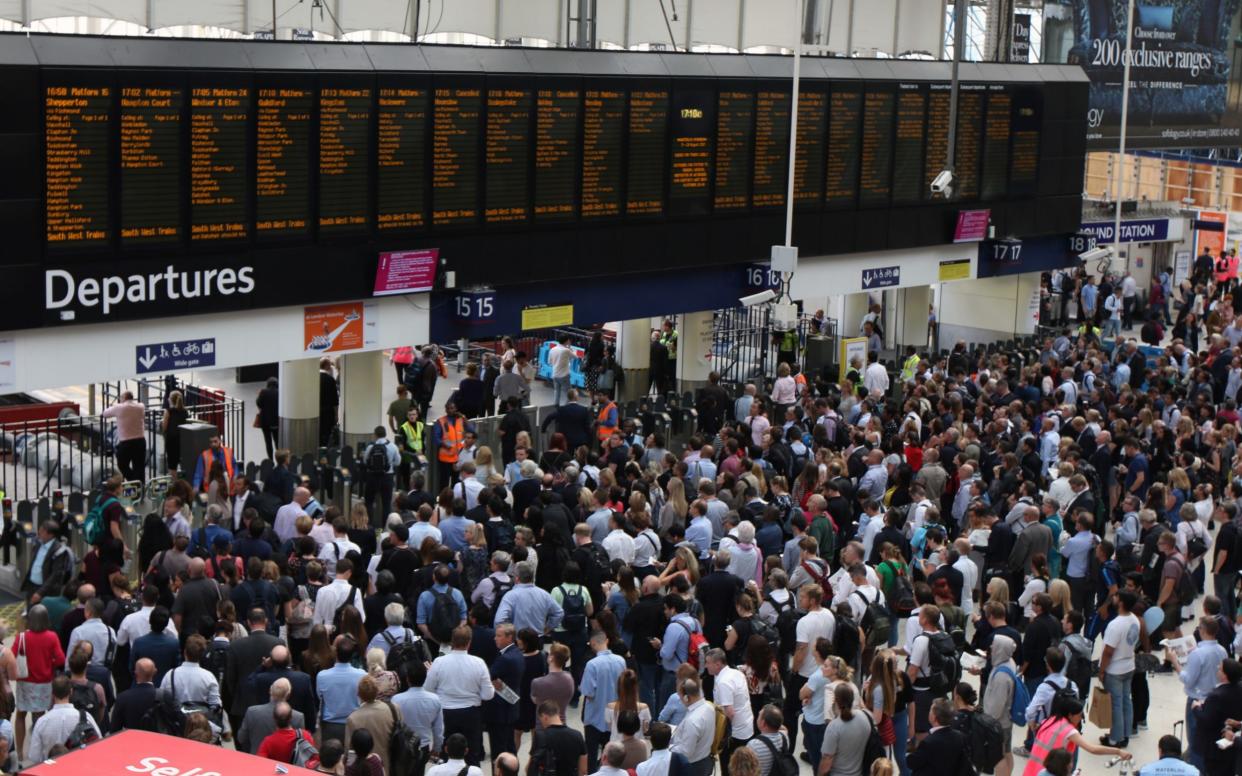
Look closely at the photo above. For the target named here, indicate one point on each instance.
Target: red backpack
(696, 651)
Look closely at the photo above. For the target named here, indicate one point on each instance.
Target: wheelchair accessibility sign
(173, 356)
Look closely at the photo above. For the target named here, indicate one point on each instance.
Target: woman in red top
(1061, 731)
(40, 646)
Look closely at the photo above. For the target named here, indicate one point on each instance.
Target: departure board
(455, 156)
(937, 157)
(969, 141)
(809, 159)
(1024, 150)
(282, 196)
(771, 148)
(644, 179)
(908, 144)
(76, 165)
(995, 177)
(603, 131)
(556, 154)
(150, 120)
(875, 176)
(694, 124)
(735, 125)
(844, 141)
(219, 163)
(344, 158)
(507, 155)
(401, 147)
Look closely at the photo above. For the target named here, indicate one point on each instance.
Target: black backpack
(599, 565)
(498, 592)
(410, 649)
(377, 458)
(445, 615)
(404, 747)
(984, 739)
(875, 621)
(216, 659)
(787, 628)
(349, 601)
(1186, 590)
(943, 670)
(783, 761)
(83, 733)
(573, 603)
(766, 632)
(845, 641)
(85, 699)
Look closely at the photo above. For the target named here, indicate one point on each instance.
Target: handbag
(888, 733)
(257, 422)
(1101, 713)
(23, 668)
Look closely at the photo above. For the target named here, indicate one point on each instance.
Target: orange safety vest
(209, 461)
(1051, 735)
(455, 435)
(606, 430)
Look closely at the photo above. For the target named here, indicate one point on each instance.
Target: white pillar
(856, 306)
(362, 387)
(634, 353)
(694, 347)
(912, 317)
(299, 405)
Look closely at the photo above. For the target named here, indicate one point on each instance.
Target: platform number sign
(1081, 243)
(761, 277)
(475, 306)
(1007, 251)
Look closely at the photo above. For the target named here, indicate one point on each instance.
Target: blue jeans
(1111, 328)
(664, 690)
(648, 685)
(892, 633)
(901, 726)
(1193, 756)
(560, 390)
(813, 740)
(1031, 685)
(1118, 687)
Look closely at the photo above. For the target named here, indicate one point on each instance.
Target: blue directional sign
(172, 356)
(881, 277)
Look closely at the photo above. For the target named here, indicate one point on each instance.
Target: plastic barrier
(577, 378)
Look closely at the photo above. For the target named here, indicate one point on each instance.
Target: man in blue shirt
(427, 602)
(1170, 762)
(1136, 480)
(675, 646)
(337, 688)
(453, 528)
(699, 531)
(1077, 553)
(1198, 677)
(420, 710)
(527, 606)
(1090, 296)
(205, 537)
(599, 688)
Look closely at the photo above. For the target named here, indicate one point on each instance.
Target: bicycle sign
(172, 356)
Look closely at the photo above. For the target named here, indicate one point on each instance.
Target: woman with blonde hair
(683, 564)
(744, 761)
(675, 507)
(484, 465)
(1059, 591)
(474, 559)
(386, 682)
(175, 416)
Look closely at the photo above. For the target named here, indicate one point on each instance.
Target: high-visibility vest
(606, 430)
(455, 435)
(907, 369)
(209, 460)
(1051, 735)
(413, 438)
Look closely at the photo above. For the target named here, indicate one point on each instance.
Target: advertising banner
(1021, 47)
(1184, 88)
(333, 328)
(1210, 232)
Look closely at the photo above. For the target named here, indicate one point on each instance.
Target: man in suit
(717, 592)
(1035, 539)
(942, 750)
(301, 695)
(259, 723)
(498, 714)
(132, 708)
(573, 420)
(245, 657)
(488, 375)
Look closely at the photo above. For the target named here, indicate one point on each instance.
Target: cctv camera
(942, 183)
(759, 298)
(1095, 254)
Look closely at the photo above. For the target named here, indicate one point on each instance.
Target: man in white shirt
(560, 358)
(190, 682)
(876, 376)
(731, 694)
(285, 523)
(1114, 306)
(970, 574)
(659, 735)
(456, 747)
(1117, 665)
(335, 551)
(693, 737)
(101, 637)
(55, 727)
(138, 624)
(468, 487)
(864, 593)
(462, 682)
(332, 597)
(619, 544)
(840, 582)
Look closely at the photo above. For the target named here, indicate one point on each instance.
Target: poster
(1184, 88)
(1208, 238)
(334, 328)
(1020, 50)
(1181, 266)
(852, 348)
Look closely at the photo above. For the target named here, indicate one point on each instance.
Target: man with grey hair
(499, 715)
(493, 587)
(204, 538)
(394, 632)
(746, 561)
(612, 760)
(527, 606)
(1035, 539)
(693, 737)
(285, 522)
(258, 723)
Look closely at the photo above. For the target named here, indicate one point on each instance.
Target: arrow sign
(174, 356)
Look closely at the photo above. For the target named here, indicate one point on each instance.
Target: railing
(228, 415)
(746, 345)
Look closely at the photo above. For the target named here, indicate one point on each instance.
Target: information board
(693, 133)
(344, 159)
(455, 155)
(844, 142)
(969, 141)
(282, 196)
(401, 153)
(507, 155)
(150, 165)
(76, 165)
(908, 185)
(771, 148)
(603, 131)
(556, 154)
(219, 163)
(648, 139)
(809, 159)
(875, 186)
(735, 126)
(995, 177)
(1026, 119)
(937, 157)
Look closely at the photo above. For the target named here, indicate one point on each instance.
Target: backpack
(766, 632)
(303, 749)
(83, 733)
(216, 659)
(900, 596)
(984, 739)
(349, 601)
(573, 603)
(410, 649)
(1021, 696)
(722, 735)
(201, 548)
(1186, 590)
(783, 761)
(93, 525)
(303, 612)
(377, 459)
(943, 669)
(817, 575)
(404, 747)
(445, 614)
(875, 620)
(787, 627)
(696, 650)
(498, 592)
(503, 535)
(845, 641)
(874, 749)
(84, 698)
(1078, 668)
(599, 564)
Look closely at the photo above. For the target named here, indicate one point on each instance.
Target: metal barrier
(208, 405)
(746, 345)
